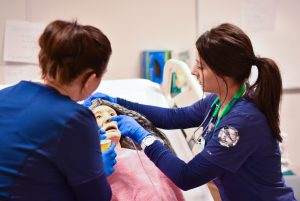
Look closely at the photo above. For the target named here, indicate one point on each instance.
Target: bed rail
(191, 90)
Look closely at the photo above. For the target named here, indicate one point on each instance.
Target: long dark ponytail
(228, 51)
(268, 90)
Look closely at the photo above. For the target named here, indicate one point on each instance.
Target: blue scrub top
(253, 163)
(242, 146)
(48, 144)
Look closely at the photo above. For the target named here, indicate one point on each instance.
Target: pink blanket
(137, 178)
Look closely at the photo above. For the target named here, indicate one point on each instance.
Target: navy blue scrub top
(252, 163)
(48, 144)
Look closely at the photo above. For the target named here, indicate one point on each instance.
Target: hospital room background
(135, 26)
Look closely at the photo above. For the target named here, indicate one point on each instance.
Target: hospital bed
(147, 92)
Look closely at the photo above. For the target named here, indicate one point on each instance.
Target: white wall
(290, 118)
(131, 25)
(272, 26)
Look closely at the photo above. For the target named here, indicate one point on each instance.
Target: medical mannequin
(102, 109)
(103, 114)
(147, 182)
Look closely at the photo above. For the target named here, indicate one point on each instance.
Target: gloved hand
(102, 135)
(129, 127)
(109, 159)
(87, 102)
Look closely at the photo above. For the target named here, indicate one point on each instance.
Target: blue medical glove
(102, 135)
(109, 159)
(129, 127)
(87, 102)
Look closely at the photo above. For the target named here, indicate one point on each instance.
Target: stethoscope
(200, 137)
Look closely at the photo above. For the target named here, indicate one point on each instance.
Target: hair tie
(256, 61)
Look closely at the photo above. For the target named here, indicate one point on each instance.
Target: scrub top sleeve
(186, 176)
(78, 150)
(173, 118)
(243, 133)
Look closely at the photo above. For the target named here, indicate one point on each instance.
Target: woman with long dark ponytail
(228, 51)
(240, 122)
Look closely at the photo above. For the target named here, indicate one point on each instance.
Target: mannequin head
(103, 110)
(103, 113)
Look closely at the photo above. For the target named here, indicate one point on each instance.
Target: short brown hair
(68, 49)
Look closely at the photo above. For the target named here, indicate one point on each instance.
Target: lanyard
(214, 108)
(228, 107)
